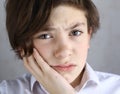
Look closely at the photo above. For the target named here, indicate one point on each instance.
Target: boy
(52, 37)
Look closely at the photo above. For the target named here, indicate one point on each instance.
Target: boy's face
(64, 41)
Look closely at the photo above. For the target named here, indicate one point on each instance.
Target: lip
(64, 67)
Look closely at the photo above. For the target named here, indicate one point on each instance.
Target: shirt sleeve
(20, 85)
(3, 88)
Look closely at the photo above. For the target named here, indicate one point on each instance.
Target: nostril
(62, 54)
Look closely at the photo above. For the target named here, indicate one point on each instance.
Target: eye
(44, 36)
(76, 33)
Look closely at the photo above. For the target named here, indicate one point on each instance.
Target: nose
(63, 49)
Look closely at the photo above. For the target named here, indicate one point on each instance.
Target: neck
(77, 81)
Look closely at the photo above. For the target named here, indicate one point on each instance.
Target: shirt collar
(89, 75)
(33, 81)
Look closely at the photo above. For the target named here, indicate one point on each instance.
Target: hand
(51, 80)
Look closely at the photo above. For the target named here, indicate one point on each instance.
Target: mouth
(64, 67)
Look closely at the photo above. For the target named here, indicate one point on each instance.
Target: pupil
(76, 33)
(46, 36)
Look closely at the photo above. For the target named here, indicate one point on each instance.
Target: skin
(60, 52)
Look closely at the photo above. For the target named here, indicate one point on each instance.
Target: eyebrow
(72, 26)
(75, 25)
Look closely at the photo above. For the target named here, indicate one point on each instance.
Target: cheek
(43, 50)
(82, 50)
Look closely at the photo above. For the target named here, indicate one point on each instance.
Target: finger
(26, 64)
(32, 66)
(44, 66)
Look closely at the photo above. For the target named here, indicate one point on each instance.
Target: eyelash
(48, 36)
(44, 36)
(76, 33)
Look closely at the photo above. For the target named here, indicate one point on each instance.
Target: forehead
(66, 15)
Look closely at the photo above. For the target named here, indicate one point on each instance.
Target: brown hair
(25, 18)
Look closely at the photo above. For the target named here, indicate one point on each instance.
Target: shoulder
(14, 86)
(109, 82)
(107, 76)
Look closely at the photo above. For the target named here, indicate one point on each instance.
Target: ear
(89, 36)
(90, 30)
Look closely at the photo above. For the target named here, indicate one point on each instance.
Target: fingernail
(22, 53)
(34, 50)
